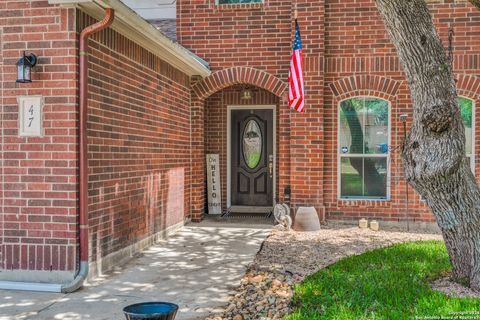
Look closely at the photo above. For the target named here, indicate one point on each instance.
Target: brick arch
(468, 86)
(239, 75)
(372, 85)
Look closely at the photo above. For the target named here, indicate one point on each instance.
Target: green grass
(390, 283)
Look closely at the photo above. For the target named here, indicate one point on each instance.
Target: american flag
(295, 75)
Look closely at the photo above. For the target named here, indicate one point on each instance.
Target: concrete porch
(196, 268)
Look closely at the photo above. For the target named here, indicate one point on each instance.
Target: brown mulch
(453, 289)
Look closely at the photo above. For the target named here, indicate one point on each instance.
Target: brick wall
(357, 44)
(139, 141)
(138, 131)
(231, 35)
(258, 36)
(38, 174)
(347, 53)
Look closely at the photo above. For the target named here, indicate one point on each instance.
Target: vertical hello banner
(213, 184)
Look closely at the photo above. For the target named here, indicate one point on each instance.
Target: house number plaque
(30, 116)
(213, 184)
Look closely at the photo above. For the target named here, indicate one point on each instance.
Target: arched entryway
(223, 123)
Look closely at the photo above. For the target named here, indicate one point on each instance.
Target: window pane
(252, 144)
(351, 126)
(376, 126)
(466, 107)
(238, 1)
(375, 177)
(469, 161)
(363, 177)
(350, 179)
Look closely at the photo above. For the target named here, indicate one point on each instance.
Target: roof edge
(130, 24)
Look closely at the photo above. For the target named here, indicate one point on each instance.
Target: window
(466, 110)
(237, 1)
(364, 137)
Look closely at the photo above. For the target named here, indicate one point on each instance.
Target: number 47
(31, 116)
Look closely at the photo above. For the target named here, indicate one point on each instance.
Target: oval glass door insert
(252, 144)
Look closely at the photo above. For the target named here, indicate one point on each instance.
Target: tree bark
(476, 3)
(434, 151)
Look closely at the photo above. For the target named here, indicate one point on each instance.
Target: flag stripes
(295, 74)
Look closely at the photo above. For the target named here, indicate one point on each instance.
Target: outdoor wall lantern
(24, 67)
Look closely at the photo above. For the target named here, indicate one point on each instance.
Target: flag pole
(295, 12)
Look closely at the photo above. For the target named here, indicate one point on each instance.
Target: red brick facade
(347, 53)
(138, 141)
(216, 125)
(150, 125)
(38, 218)
(258, 37)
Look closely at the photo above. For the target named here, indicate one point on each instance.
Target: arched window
(468, 116)
(363, 150)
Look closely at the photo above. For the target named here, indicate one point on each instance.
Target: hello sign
(213, 184)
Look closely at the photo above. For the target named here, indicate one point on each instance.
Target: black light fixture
(24, 67)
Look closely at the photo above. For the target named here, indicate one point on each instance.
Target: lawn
(390, 283)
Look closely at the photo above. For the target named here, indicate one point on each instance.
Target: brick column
(197, 173)
(307, 140)
(283, 152)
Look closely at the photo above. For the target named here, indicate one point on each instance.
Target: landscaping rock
(287, 257)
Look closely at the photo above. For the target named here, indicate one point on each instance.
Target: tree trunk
(434, 151)
(476, 3)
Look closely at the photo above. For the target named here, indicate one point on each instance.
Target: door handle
(270, 165)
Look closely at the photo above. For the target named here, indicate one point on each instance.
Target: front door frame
(229, 147)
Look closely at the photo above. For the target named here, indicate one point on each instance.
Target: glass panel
(466, 110)
(28, 77)
(20, 75)
(363, 177)
(363, 129)
(470, 164)
(375, 177)
(350, 179)
(376, 126)
(351, 126)
(252, 144)
(238, 1)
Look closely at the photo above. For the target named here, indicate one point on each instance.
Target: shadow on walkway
(196, 268)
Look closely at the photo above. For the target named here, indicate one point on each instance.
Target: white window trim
(340, 155)
(472, 155)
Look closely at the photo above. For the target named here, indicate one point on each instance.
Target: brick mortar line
(153, 100)
(134, 127)
(134, 62)
(98, 53)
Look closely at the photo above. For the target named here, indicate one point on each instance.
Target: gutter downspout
(83, 205)
(80, 277)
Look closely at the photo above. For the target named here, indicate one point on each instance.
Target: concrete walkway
(196, 268)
